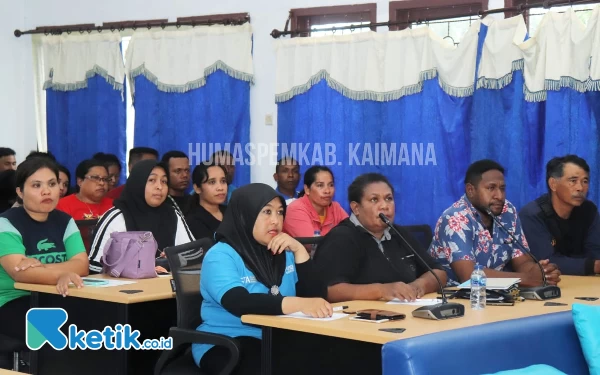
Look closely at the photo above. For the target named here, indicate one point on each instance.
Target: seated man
(136, 155)
(287, 176)
(467, 234)
(179, 177)
(562, 225)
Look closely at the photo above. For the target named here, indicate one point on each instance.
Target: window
(444, 17)
(534, 16)
(334, 16)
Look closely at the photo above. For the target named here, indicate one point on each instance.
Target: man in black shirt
(563, 225)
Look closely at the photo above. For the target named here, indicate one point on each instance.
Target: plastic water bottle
(313, 247)
(478, 284)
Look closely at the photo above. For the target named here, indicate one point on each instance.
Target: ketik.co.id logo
(43, 326)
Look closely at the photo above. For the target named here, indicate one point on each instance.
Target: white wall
(17, 125)
(15, 78)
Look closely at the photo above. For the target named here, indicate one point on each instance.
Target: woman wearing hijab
(253, 269)
(142, 207)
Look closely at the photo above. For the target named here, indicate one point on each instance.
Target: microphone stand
(440, 311)
(540, 293)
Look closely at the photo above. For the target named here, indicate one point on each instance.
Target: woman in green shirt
(38, 244)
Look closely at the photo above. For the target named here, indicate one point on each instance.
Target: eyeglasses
(98, 179)
(112, 178)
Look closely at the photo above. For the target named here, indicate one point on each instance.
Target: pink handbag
(130, 255)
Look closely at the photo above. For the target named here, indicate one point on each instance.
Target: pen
(340, 308)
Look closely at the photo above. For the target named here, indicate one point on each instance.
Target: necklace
(89, 216)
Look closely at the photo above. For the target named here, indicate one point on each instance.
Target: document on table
(494, 283)
(418, 302)
(103, 283)
(300, 315)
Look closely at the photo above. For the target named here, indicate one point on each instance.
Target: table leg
(266, 350)
(33, 354)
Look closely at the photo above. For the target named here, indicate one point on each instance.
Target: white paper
(300, 315)
(418, 302)
(110, 283)
(494, 283)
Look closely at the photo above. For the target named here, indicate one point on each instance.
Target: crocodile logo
(43, 245)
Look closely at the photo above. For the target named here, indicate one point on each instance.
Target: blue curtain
(425, 131)
(83, 122)
(195, 122)
(494, 124)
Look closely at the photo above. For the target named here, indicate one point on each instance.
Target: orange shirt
(83, 211)
(301, 219)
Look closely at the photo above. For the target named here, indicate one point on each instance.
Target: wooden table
(361, 339)
(9, 372)
(152, 311)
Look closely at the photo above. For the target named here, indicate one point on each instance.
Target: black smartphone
(393, 330)
(554, 304)
(587, 298)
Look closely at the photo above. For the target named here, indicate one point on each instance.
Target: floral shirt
(461, 235)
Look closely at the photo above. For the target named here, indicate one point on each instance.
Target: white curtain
(563, 52)
(164, 56)
(376, 66)
(65, 62)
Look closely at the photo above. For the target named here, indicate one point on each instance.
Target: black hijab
(139, 216)
(236, 230)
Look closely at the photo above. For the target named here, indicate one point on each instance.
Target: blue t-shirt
(222, 270)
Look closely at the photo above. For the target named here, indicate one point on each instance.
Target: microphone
(540, 293)
(440, 311)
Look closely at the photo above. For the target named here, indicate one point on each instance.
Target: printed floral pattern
(461, 235)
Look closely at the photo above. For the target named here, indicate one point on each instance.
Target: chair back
(87, 228)
(185, 262)
(421, 233)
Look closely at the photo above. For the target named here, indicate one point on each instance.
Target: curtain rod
(519, 9)
(120, 26)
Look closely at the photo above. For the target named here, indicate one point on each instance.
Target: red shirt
(83, 211)
(116, 192)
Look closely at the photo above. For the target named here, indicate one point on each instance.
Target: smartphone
(358, 318)
(393, 330)
(587, 298)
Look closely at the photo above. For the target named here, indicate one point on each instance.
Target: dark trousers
(12, 324)
(214, 360)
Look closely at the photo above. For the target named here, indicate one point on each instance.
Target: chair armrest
(182, 336)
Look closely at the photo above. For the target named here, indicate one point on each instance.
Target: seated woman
(90, 201)
(206, 206)
(362, 259)
(38, 244)
(64, 179)
(142, 207)
(315, 210)
(253, 269)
